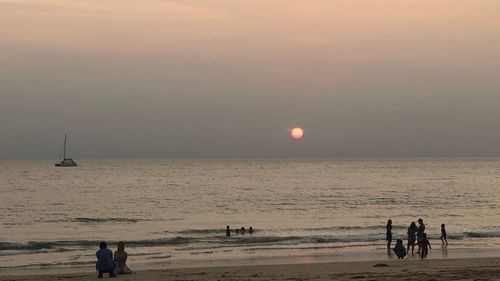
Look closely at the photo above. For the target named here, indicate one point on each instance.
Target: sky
(230, 78)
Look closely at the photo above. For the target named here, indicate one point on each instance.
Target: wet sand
(437, 269)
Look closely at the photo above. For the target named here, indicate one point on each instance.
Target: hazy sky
(229, 78)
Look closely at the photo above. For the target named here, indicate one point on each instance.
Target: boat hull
(66, 163)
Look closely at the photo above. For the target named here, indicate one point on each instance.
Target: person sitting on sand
(388, 234)
(242, 230)
(120, 260)
(412, 237)
(443, 235)
(420, 234)
(228, 231)
(399, 249)
(426, 245)
(104, 260)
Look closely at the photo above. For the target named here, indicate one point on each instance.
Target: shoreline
(438, 253)
(484, 268)
(321, 253)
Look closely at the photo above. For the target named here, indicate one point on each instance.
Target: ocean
(174, 212)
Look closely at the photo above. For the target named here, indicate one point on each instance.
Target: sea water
(174, 212)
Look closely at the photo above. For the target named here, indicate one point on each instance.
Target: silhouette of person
(399, 249)
(104, 262)
(420, 233)
(443, 235)
(120, 260)
(388, 234)
(412, 237)
(426, 245)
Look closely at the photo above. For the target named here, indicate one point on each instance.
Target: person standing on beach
(420, 233)
(443, 235)
(388, 235)
(412, 237)
(228, 231)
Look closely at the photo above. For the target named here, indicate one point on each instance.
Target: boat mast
(64, 150)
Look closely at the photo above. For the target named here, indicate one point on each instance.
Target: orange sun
(297, 133)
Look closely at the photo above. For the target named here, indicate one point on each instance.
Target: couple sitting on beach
(106, 263)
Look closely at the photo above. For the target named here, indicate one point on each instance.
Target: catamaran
(65, 162)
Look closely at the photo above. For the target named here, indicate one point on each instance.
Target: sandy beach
(443, 269)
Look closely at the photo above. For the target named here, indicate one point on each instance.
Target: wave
(181, 243)
(95, 220)
(484, 234)
(219, 231)
(40, 245)
(353, 227)
(202, 231)
(25, 246)
(293, 240)
(215, 238)
(55, 264)
(104, 220)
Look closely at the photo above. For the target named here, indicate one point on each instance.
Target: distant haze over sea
(225, 78)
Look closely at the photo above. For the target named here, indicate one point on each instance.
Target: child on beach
(443, 235)
(425, 246)
(399, 249)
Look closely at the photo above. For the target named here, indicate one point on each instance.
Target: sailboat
(65, 162)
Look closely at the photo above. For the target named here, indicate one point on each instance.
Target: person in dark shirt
(420, 234)
(228, 231)
(426, 245)
(388, 234)
(104, 260)
(443, 235)
(412, 237)
(399, 249)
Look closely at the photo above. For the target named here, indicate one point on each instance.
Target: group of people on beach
(112, 264)
(241, 230)
(415, 235)
(117, 263)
